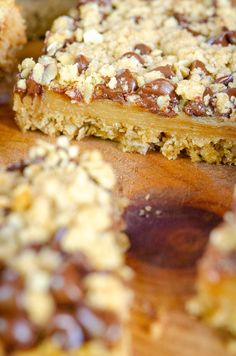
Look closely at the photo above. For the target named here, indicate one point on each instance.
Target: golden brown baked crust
(161, 57)
(63, 279)
(12, 34)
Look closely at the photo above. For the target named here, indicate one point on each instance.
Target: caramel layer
(111, 113)
(135, 128)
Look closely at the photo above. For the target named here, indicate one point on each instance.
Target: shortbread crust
(63, 279)
(164, 58)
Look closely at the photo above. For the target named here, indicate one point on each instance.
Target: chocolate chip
(135, 55)
(126, 81)
(66, 285)
(224, 39)
(220, 39)
(67, 42)
(195, 108)
(102, 91)
(143, 49)
(198, 107)
(232, 37)
(231, 92)
(208, 91)
(194, 33)
(33, 88)
(17, 166)
(159, 87)
(148, 102)
(184, 23)
(225, 79)
(126, 84)
(20, 165)
(65, 331)
(137, 19)
(11, 284)
(36, 247)
(99, 325)
(82, 63)
(166, 70)
(69, 92)
(199, 64)
(181, 19)
(17, 333)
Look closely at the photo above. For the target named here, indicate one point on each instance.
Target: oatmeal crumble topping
(62, 272)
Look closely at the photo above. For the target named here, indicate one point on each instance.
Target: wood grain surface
(173, 207)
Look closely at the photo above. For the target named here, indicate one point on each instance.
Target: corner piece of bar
(12, 35)
(63, 278)
(215, 301)
(155, 74)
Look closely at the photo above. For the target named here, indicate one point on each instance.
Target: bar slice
(150, 75)
(12, 34)
(39, 14)
(63, 279)
(216, 283)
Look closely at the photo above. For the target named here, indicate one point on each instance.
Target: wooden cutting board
(187, 200)
(173, 207)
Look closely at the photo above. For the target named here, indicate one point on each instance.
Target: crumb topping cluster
(62, 269)
(12, 35)
(164, 55)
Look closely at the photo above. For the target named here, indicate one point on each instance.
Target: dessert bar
(12, 34)
(39, 14)
(157, 74)
(63, 279)
(216, 285)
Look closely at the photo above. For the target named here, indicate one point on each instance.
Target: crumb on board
(147, 197)
(156, 330)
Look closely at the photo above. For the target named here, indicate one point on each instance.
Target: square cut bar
(39, 14)
(12, 34)
(63, 278)
(157, 74)
(215, 302)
